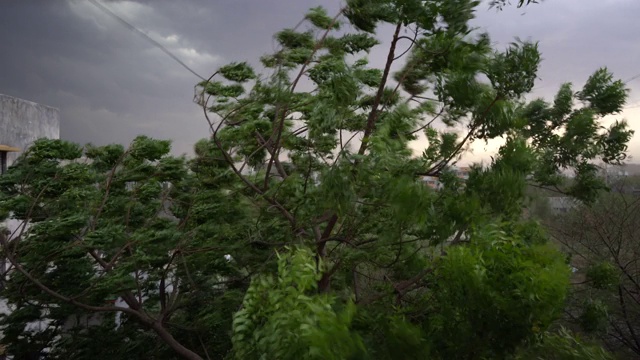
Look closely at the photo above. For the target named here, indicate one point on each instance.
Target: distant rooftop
(25, 101)
(22, 122)
(625, 169)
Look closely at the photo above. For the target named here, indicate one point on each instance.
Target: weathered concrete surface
(22, 122)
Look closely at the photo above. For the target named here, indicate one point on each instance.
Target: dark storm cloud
(111, 84)
(105, 80)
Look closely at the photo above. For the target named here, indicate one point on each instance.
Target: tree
(104, 233)
(563, 345)
(602, 242)
(305, 209)
(500, 4)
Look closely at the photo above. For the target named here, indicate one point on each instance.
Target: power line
(145, 36)
(632, 78)
(635, 104)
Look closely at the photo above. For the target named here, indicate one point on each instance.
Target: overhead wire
(145, 36)
(175, 58)
(634, 104)
(632, 78)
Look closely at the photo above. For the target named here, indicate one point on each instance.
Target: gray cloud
(111, 84)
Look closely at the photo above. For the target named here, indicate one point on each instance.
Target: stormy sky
(111, 84)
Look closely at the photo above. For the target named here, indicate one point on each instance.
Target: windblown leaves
(301, 228)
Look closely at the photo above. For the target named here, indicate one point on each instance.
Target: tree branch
(373, 115)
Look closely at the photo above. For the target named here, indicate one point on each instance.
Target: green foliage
(301, 228)
(109, 208)
(509, 282)
(319, 18)
(513, 72)
(614, 141)
(567, 138)
(603, 275)
(603, 94)
(563, 345)
(501, 3)
(594, 316)
(239, 72)
(293, 40)
(282, 318)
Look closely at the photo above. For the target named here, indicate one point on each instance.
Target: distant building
(614, 172)
(462, 172)
(434, 182)
(21, 123)
(623, 178)
(562, 204)
(4, 156)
